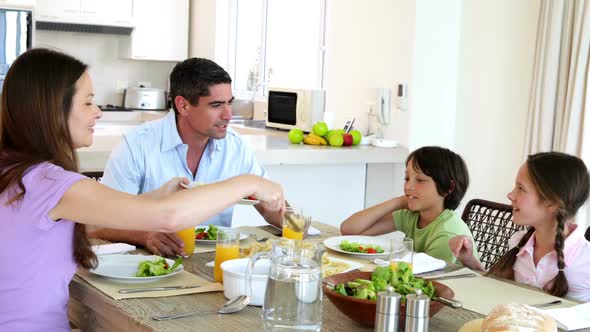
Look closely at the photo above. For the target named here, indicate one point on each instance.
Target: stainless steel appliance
(140, 98)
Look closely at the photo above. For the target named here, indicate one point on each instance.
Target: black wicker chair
(588, 234)
(491, 226)
(96, 176)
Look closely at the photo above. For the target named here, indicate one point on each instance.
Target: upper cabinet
(91, 12)
(161, 31)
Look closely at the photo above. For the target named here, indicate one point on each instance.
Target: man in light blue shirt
(192, 141)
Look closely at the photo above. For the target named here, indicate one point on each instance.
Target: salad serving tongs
(152, 289)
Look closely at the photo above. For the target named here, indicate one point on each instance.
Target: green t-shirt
(434, 238)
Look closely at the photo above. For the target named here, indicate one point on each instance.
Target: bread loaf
(471, 326)
(517, 318)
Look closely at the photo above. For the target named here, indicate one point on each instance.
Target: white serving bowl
(234, 279)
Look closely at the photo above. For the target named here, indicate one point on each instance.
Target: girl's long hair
(563, 180)
(36, 102)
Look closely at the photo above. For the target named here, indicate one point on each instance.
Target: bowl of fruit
(354, 293)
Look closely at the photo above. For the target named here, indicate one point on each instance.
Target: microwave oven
(295, 108)
(16, 36)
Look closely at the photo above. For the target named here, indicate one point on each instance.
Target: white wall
(433, 102)
(101, 53)
(369, 45)
(497, 49)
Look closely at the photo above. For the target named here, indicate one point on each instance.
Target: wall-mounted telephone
(349, 125)
(384, 106)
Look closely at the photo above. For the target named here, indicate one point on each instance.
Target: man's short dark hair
(192, 78)
(446, 168)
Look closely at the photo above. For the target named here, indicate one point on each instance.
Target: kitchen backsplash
(109, 72)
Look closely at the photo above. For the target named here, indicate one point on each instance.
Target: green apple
(356, 137)
(320, 129)
(336, 139)
(296, 135)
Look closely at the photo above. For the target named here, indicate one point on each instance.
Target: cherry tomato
(201, 235)
(371, 251)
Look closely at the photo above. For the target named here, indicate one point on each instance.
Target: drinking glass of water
(402, 250)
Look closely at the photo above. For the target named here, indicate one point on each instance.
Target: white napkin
(572, 318)
(311, 231)
(112, 248)
(422, 263)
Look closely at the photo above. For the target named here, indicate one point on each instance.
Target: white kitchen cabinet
(92, 12)
(17, 3)
(161, 31)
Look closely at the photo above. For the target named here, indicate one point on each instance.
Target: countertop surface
(271, 147)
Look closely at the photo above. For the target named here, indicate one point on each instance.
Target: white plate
(334, 244)
(353, 265)
(243, 236)
(243, 201)
(124, 267)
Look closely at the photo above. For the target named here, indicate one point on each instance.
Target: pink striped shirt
(576, 254)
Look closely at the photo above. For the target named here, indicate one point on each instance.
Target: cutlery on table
(547, 304)
(235, 304)
(448, 302)
(455, 276)
(257, 239)
(152, 289)
(184, 314)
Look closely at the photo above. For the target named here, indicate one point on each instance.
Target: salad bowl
(363, 311)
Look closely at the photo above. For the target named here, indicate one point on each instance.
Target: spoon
(257, 239)
(234, 305)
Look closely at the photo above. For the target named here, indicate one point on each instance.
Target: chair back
(587, 235)
(96, 176)
(491, 226)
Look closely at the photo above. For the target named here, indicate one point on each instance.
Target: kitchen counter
(329, 182)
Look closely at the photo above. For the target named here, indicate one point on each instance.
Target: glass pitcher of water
(293, 299)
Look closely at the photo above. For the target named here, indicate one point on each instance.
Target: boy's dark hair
(446, 168)
(561, 179)
(192, 78)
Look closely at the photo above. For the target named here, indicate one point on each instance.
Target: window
(276, 43)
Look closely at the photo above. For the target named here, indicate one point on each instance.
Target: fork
(547, 304)
(257, 239)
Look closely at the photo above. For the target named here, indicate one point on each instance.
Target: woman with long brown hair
(46, 112)
(553, 253)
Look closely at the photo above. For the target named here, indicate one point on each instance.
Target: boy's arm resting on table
(375, 220)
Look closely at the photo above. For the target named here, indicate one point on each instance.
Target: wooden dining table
(91, 310)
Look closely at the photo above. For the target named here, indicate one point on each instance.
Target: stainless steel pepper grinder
(387, 311)
(417, 312)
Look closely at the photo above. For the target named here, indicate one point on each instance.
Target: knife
(456, 276)
(152, 289)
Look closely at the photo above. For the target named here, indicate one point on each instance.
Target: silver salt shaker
(417, 312)
(387, 311)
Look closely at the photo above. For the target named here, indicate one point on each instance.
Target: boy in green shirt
(435, 182)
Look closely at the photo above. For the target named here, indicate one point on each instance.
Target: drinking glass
(295, 224)
(187, 236)
(227, 247)
(402, 250)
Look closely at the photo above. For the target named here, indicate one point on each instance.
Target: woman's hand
(270, 194)
(169, 187)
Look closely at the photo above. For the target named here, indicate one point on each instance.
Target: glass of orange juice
(295, 224)
(228, 247)
(187, 236)
(401, 250)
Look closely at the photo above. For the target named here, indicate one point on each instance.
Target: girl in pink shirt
(553, 253)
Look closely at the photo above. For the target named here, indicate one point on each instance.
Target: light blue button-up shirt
(153, 153)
